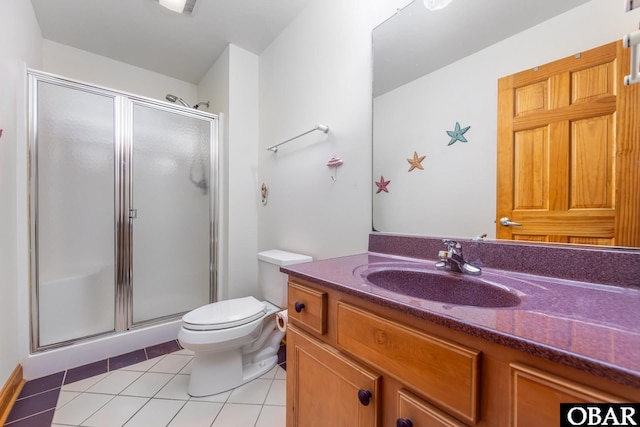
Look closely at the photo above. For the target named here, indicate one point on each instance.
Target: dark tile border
(37, 401)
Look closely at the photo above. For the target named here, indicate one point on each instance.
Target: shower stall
(122, 210)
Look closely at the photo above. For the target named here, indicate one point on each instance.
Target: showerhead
(173, 98)
(205, 103)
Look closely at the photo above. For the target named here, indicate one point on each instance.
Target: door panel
(171, 234)
(562, 128)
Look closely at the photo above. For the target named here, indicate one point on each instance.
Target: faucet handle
(451, 244)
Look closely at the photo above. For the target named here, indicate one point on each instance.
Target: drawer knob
(299, 306)
(403, 422)
(364, 396)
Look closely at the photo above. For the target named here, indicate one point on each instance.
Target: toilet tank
(272, 282)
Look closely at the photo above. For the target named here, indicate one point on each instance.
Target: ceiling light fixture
(180, 6)
(436, 4)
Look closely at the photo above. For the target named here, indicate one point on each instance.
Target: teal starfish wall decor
(458, 134)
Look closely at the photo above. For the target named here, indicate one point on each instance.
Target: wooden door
(569, 151)
(324, 388)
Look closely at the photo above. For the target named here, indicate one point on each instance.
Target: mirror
(435, 78)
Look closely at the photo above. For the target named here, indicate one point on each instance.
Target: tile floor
(147, 388)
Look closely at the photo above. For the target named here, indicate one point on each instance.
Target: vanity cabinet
(416, 373)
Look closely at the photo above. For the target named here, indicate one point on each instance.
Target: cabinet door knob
(299, 306)
(403, 422)
(364, 396)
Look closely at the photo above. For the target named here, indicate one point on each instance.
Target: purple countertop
(592, 325)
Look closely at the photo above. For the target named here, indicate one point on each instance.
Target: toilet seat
(224, 314)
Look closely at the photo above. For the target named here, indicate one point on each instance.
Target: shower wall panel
(75, 205)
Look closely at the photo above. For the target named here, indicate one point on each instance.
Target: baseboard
(10, 393)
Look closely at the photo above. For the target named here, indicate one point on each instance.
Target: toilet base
(214, 372)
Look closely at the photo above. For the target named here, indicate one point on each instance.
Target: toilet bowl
(235, 341)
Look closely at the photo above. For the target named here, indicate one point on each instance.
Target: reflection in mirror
(435, 96)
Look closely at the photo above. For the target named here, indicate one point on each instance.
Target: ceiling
(416, 41)
(144, 34)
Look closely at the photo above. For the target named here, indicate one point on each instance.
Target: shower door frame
(123, 192)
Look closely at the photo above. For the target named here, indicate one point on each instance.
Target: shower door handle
(133, 213)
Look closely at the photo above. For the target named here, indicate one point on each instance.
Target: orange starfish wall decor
(416, 162)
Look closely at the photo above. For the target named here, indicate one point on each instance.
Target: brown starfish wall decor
(416, 162)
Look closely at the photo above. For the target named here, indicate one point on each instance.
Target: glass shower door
(72, 197)
(171, 205)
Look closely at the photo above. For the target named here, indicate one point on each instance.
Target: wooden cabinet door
(536, 396)
(325, 388)
(568, 151)
(413, 411)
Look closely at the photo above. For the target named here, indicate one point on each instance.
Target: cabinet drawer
(536, 396)
(421, 413)
(443, 371)
(307, 307)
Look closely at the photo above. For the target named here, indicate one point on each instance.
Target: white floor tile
(157, 412)
(171, 364)
(184, 351)
(281, 374)
(277, 393)
(84, 384)
(80, 408)
(254, 392)
(237, 416)
(187, 368)
(196, 414)
(116, 412)
(176, 388)
(154, 393)
(65, 397)
(115, 382)
(142, 366)
(272, 416)
(148, 384)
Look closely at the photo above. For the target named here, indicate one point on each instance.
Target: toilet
(237, 340)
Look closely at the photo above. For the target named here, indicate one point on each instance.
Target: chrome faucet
(452, 259)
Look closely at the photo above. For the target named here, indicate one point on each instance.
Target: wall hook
(334, 162)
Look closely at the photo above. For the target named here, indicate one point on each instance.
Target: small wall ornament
(416, 162)
(334, 162)
(264, 193)
(457, 134)
(382, 185)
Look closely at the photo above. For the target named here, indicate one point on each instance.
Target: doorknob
(506, 222)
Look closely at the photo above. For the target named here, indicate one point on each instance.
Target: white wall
(87, 67)
(242, 172)
(20, 47)
(231, 85)
(319, 71)
(416, 116)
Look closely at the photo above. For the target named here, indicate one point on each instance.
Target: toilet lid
(224, 314)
